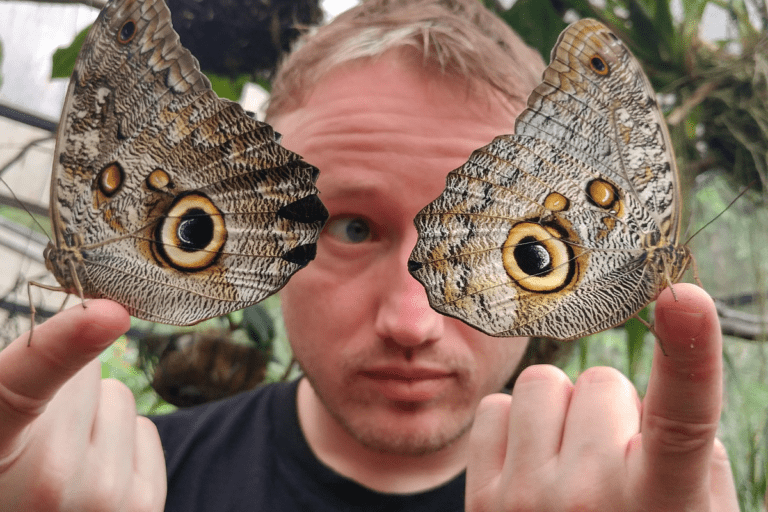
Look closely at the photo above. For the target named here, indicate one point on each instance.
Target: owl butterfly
(164, 197)
(571, 225)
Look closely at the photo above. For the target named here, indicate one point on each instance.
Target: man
(385, 101)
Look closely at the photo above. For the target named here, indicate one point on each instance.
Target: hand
(70, 441)
(558, 446)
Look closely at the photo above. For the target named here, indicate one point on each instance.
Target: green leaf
(635, 342)
(644, 31)
(662, 20)
(537, 22)
(259, 325)
(64, 58)
(264, 83)
(227, 87)
(693, 10)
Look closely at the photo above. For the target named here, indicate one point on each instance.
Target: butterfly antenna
(722, 212)
(23, 207)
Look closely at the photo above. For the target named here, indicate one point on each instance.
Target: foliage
(226, 87)
(718, 92)
(64, 58)
(64, 63)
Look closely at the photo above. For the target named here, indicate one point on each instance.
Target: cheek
(320, 311)
(495, 358)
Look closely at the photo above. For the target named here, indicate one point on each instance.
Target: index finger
(30, 376)
(681, 409)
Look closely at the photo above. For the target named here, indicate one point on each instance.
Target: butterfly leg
(653, 331)
(32, 309)
(696, 272)
(78, 286)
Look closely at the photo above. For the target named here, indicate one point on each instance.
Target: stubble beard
(380, 438)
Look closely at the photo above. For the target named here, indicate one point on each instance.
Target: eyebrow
(351, 187)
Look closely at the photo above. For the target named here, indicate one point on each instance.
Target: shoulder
(226, 422)
(222, 455)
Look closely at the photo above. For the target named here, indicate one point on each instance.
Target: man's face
(396, 375)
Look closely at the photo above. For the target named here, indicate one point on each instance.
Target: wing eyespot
(598, 65)
(191, 235)
(537, 259)
(127, 32)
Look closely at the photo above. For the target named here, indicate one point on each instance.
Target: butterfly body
(571, 225)
(164, 197)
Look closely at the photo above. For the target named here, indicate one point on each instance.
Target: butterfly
(164, 197)
(571, 225)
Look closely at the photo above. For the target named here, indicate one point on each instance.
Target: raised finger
(30, 376)
(681, 409)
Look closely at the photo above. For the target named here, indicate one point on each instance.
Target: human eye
(349, 230)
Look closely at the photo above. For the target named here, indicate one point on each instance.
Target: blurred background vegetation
(715, 96)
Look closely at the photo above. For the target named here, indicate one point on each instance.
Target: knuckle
(104, 494)
(147, 496)
(117, 395)
(679, 436)
(20, 404)
(599, 374)
(145, 501)
(719, 453)
(48, 494)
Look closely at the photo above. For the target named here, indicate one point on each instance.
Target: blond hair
(458, 36)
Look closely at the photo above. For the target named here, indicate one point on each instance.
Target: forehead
(389, 123)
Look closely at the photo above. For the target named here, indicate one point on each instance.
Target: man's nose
(404, 315)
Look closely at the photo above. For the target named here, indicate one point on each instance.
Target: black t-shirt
(248, 453)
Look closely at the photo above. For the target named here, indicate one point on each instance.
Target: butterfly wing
(179, 205)
(554, 231)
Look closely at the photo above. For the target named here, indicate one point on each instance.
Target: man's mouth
(408, 384)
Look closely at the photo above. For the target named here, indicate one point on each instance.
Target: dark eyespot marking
(195, 230)
(301, 255)
(111, 179)
(598, 65)
(414, 266)
(192, 234)
(126, 32)
(537, 258)
(307, 209)
(532, 257)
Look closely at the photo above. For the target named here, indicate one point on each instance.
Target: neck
(380, 471)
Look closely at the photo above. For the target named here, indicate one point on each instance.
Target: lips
(408, 384)
(400, 373)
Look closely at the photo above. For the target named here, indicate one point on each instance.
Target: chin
(407, 431)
